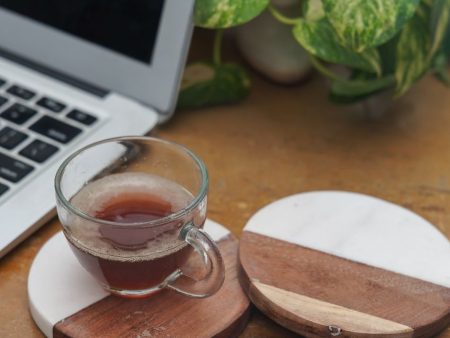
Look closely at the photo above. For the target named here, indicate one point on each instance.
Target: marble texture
(360, 228)
(58, 286)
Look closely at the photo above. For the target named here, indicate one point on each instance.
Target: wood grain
(408, 302)
(309, 312)
(166, 314)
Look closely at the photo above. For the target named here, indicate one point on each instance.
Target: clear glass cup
(132, 210)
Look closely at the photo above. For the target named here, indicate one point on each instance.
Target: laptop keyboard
(33, 129)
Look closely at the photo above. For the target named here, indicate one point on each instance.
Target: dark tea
(132, 255)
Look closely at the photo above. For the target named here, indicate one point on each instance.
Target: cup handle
(212, 260)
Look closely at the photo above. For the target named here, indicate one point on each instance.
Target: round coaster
(65, 301)
(338, 263)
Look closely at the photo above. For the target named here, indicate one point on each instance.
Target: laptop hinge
(80, 84)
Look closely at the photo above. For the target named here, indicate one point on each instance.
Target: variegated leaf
(318, 38)
(362, 24)
(352, 90)
(412, 51)
(313, 10)
(359, 87)
(207, 84)
(440, 18)
(445, 45)
(226, 13)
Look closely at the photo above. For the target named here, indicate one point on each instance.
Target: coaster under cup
(346, 264)
(65, 301)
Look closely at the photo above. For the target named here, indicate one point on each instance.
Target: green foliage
(318, 38)
(360, 87)
(439, 22)
(362, 24)
(440, 68)
(207, 84)
(440, 50)
(226, 13)
(388, 52)
(386, 44)
(445, 46)
(413, 48)
(313, 10)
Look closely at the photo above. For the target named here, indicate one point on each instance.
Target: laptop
(74, 72)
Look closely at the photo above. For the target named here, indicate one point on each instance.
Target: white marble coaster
(59, 287)
(360, 228)
(340, 263)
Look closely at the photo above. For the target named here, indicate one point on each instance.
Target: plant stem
(280, 17)
(323, 70)
(217, 49)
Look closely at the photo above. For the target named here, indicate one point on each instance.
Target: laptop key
(51, 104)
(13, 170)
(21, 92)
(38, 151)
(3, 189)
(10, 138)
(2, 82)
(18, 113)
(81, 117)
(3, 100)
(55, 129)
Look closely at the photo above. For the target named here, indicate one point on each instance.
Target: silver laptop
(71, 73)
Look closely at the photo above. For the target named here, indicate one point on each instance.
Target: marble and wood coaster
(346, 264)
(65, 301)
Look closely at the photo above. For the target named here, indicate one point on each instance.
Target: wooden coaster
(338, 263)
(65, 301)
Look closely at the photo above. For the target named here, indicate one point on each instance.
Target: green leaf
(443, 76)
(226, 13)
(446, 42)
(388, 53)
(318, 38)
(439, 22)
(440, 67)
(206, 84)
(313, 10)
(362, 24)
(358, 88)
(412, 51)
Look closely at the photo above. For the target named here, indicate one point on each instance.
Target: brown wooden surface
(167, 314)
(308, 290)
(281, 141)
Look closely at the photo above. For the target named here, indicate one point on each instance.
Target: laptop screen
(128, 27)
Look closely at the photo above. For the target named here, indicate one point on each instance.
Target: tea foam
(86, 235)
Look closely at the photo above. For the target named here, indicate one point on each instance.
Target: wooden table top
(282, 141)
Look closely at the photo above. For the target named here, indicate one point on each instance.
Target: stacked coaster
(336, 263)
(65, 301)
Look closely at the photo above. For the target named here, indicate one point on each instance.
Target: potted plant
(382, 46)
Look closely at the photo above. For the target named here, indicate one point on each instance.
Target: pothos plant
(383, 45)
